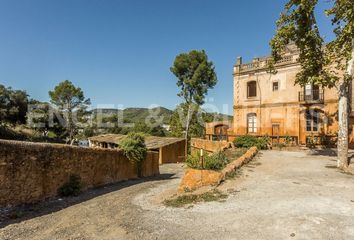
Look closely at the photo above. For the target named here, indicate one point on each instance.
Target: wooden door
(276, 131)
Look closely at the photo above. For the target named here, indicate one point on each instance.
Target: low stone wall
(31, 172)
(194, 179)
(209, 146)
(245, 158)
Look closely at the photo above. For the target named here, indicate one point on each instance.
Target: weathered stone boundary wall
(31, 172)
(209, 146)
(194, 178)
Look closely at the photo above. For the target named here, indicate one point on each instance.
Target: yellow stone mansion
(271, 104)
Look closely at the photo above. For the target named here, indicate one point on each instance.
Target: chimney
(239, 61)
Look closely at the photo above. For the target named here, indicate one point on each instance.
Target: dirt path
(284, 195)
(106, 213)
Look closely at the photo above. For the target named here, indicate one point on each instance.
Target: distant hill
(106, 111)
(139, 114)
(220, 116)
(134, 115)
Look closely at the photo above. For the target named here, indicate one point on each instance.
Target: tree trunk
(345, 94)
(343, 114)
(187, 130)
(342, 144)
(70, 127)
(70, 124)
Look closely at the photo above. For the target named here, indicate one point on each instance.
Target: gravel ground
(281, 195)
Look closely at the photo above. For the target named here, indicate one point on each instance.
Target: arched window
(252, 89)
(251, 123)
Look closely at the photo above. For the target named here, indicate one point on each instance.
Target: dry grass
(190, 199)
(233, 154)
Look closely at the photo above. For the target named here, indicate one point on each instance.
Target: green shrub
(311, 141)
(288, 139)
(263, 142)
(216, 161)
(193, 161)
(135, 150)
(327, 141)
(71, 187)
(248, 141)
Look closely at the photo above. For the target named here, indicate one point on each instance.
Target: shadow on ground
(29, 211)
(324, 152)
(331, 152)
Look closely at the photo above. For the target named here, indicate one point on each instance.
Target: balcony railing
(263, 63)
(293, 140)
(314, 96)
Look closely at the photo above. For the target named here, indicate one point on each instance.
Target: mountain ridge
(139, 114)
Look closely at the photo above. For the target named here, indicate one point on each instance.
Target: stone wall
(209, 146)
(31, 172)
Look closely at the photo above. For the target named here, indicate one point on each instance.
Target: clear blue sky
(120, 51)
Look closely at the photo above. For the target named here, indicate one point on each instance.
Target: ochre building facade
(272, 104)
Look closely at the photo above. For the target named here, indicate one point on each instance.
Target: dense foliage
(195, 76)
(298, 24)
(341, 49)
(178, 121)
(134, 149)
(153, 121)
(216, 161)
(157, 114)
(70, 120)
(72, 104)
(26, 119)
(13, 105)
(42, 118)
(248, 141)
(134, 115)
